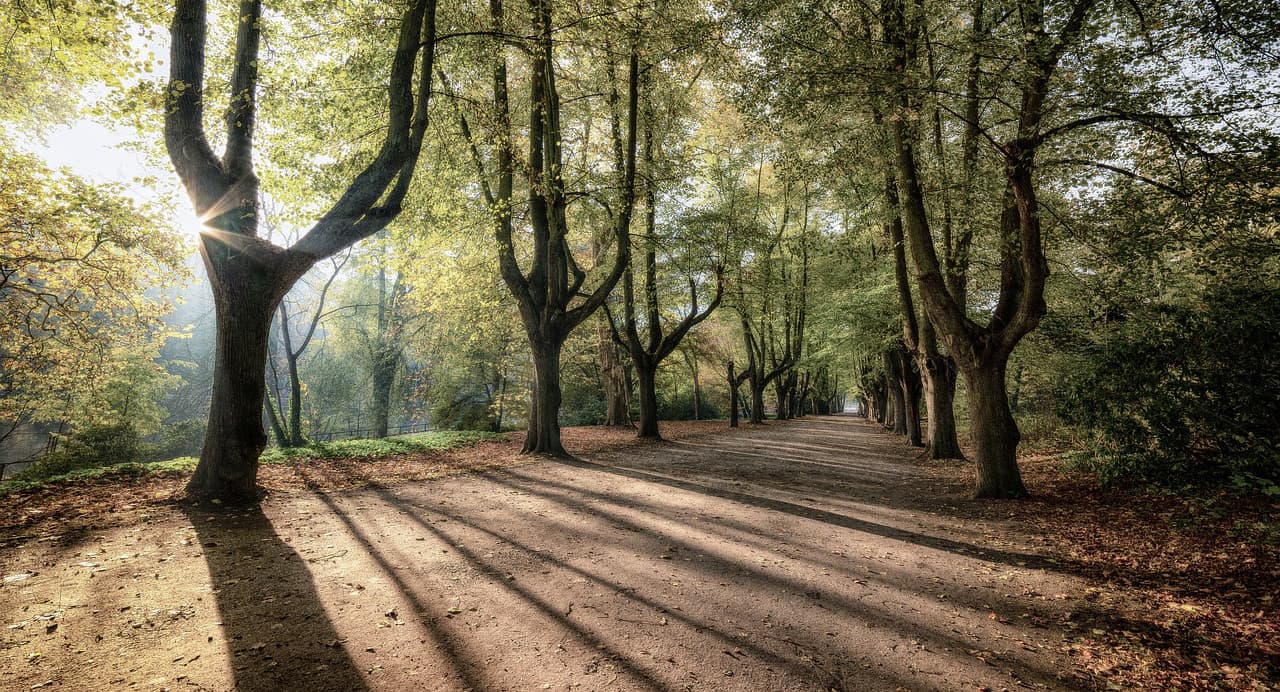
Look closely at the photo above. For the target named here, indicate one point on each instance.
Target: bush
(90, 447)
(181, 439)
(680, 407)
(465, 413)
(438, 440)
(1181, 394)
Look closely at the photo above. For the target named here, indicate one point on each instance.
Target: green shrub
(1181, 394)
(182, 465)
(370, 448)
(90, 447)
(680, 407)
(180, 439)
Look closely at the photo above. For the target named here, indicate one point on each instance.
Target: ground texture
(815, 554)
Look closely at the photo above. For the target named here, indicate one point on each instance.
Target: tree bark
(909, 382)
(544, 425)
(735, 383)
(384, 377)
(617, 403)
(295, 404)
(243, 305)
(276, 428)
(995, 433)
(940, 392)
(756, 385)
(646, 376)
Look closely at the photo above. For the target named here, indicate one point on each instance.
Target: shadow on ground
(277, 631)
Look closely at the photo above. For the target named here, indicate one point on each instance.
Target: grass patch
(375, 449)
(316, 451)
(132, 469)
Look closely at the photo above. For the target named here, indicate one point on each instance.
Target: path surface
(806, 555)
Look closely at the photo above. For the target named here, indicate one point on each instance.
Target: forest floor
(813, 554)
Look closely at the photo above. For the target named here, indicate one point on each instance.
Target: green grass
(316, 451)
(130, 469)
(376, 449)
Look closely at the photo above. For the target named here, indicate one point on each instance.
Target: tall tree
(249, 275)
(982, 352)
(648, 351)
(550, 294)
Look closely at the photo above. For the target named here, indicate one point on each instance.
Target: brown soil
(813, 554)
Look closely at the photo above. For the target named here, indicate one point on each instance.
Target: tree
(648, 352)
(249, 275)
(76, 263)
(548, 294)
(773, 333)
(982, 352)
(289, 430)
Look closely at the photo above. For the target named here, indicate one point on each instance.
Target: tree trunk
(733, 397)
(276, 428)
(234, 439)
(910, 384)
(697, 388)
(295, 404)
(940, 392)
(899, 410)
(757, 399)
(617, 401)
(544, 408)
(995, 432)
(646, 376)
(384, 376)
(896, 408)
(502, 400)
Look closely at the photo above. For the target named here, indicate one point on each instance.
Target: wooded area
(998, 232)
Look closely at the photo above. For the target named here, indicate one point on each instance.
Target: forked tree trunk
(940, 393)
(646, 379)
(995, 433)
(250, 276)
(544, 426)
(734, 384)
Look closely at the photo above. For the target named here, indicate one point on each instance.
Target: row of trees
(799, 199)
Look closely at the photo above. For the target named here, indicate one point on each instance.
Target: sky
(100, 153)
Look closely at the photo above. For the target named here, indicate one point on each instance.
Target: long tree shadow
(1005, 557)
(625, 659)
(756, 580)
(277, 633)
(471, 675)
(632, 668)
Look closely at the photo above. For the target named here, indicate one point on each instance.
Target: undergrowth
(317, 451)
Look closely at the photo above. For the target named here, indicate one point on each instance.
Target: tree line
(808, 202)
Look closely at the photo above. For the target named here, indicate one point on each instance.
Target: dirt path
(807, 555)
